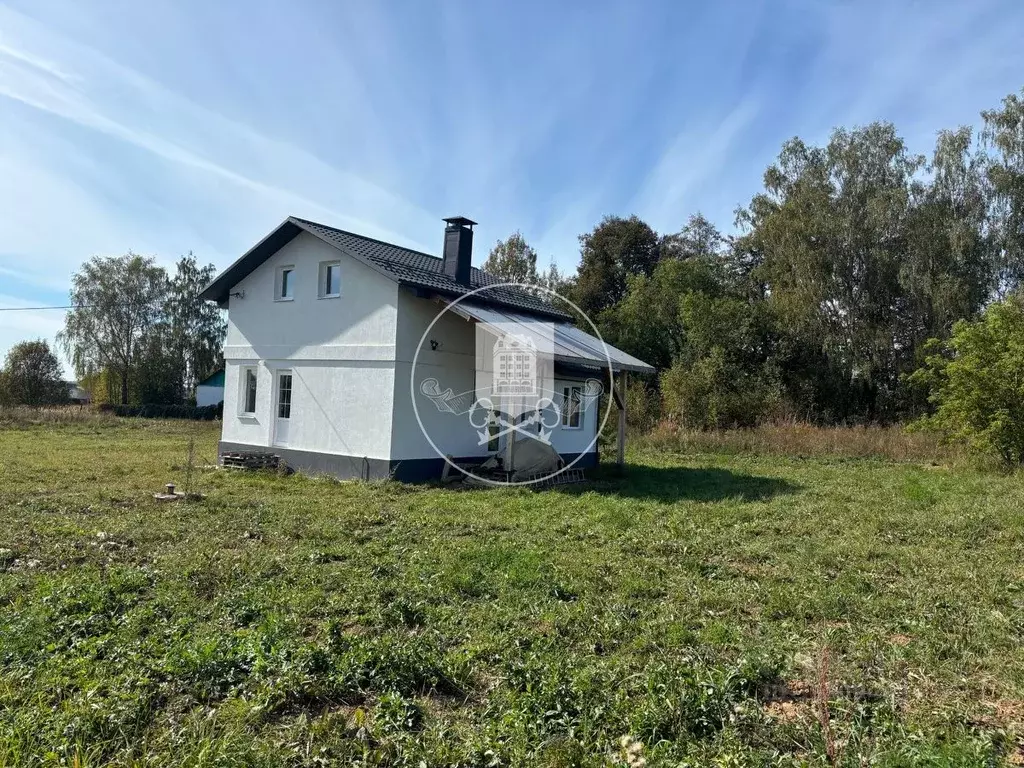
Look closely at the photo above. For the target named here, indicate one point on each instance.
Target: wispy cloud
(178, 125)
(281, 176)
(693, 160)
(41, 65)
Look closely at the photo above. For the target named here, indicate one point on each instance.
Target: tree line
(842, 271)
(863, 283)
(135, 334)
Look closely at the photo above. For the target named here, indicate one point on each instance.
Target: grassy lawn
(710, 607)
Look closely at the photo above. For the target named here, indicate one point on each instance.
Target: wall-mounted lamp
(238, 295)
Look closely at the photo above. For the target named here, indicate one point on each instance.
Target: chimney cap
(459, 221)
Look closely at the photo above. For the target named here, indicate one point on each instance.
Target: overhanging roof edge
(567, 337)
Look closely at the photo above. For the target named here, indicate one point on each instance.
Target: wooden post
(510, 451)
(510, 445)
(621, 402)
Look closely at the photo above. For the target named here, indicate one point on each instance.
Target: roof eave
(616, 366)
(554, 314)
(220, 287)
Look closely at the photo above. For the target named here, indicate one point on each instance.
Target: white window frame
(279, 404)
(279, 283)
(325, 267)
(243, 399)
(567, 397)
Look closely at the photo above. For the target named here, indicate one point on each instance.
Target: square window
(330, 279)
(285, 288)
(571, 407)
(248, 391)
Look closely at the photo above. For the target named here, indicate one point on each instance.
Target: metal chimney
(458, 248)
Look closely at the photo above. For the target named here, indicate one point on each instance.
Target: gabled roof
(414, 269)
(215, 379)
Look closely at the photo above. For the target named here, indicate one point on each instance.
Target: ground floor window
(571, 407)
(248, 390)
(284, 396)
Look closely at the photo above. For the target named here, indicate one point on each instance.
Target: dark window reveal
(250, 391)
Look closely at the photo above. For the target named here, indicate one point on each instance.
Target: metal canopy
(571, 345)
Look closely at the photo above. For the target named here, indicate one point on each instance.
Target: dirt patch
(1010, 712)
(786, 711)
(901, 640)
(787, 700)
(751, 569)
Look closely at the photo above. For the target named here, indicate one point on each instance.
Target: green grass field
(710, 607)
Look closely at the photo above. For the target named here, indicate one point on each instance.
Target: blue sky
(174, 125)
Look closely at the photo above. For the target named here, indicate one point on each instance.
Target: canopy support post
(510, 445)
(510, 449)
(620, 401)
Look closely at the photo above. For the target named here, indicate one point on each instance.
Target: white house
(357, 357)
(210, 390)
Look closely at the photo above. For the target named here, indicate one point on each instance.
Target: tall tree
(699, 238)
(513, 260)
(158, 377)
(1004, 132)
(648, 321)
(950, 267)
(195, 328)
(553, 279)
(116, 302)
(830, 231)
(614, 250)
(32, 376)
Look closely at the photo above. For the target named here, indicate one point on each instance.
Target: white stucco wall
(340, 352)
(359, 325)
(254, 429)
(452, 364)
(339, 407)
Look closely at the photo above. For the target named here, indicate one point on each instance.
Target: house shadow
(674, 484)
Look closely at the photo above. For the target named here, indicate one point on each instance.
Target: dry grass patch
(798, 439)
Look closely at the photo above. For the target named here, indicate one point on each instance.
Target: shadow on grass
(671, 484)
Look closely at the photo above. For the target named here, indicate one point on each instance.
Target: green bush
(643, 409)
(976, 381)
(712, 394)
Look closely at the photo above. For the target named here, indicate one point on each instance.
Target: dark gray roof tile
(421, 270)
(417, 270)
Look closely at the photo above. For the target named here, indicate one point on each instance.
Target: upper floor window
(284, 290)
(330, 279)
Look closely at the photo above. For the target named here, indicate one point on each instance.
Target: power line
(25, 309)
(64, 306)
